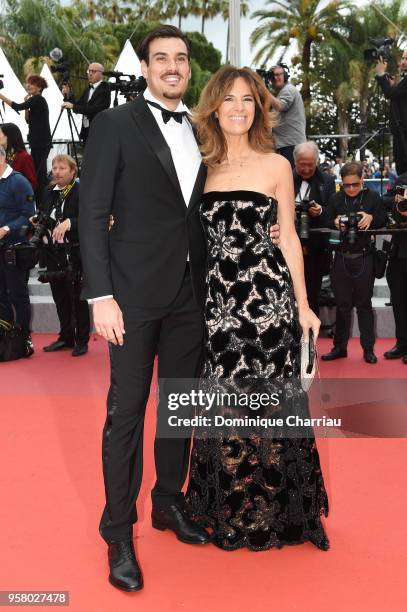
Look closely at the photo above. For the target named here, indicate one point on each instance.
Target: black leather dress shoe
(58, 345)
(80, 349)
(395, 353)
(176, 518)
(336, 353)
(369, 357)
(125, 572)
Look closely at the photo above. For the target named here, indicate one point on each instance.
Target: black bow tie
(167, 114)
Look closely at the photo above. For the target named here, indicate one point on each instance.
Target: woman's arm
(290, 244)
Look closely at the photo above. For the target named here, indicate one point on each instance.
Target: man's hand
(275, 234)
(3, 233)
(365, 221)
(338, 225)
(315, 210)
(59, 231)
(67, 105)
(108, 320)
(381, 67)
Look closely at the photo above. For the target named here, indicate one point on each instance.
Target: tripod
(72, 126)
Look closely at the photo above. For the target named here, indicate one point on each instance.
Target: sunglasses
(351, 185)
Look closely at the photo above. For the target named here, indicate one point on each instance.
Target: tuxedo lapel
(152, 133)
(198, 188)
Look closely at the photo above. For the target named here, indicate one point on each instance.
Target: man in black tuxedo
(146, 280)
(94, 99)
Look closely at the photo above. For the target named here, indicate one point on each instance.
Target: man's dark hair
(352, 168)
(162, 31)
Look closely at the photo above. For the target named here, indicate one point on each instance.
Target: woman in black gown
(254, 491)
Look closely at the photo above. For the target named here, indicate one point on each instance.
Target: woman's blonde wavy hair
(212, 141)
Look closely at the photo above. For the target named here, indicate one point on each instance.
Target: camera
(302, 217)
(382, 49)
(268, 75)
(350, 222)
(43, 227)
(1, 81)
(401, 190)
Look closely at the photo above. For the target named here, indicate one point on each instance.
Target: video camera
(382, 49)
(131, 88)
(268, 75)
(60, 67)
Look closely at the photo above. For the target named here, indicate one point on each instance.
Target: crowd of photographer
(331, 224)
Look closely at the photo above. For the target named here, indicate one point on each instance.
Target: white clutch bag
(308, 361)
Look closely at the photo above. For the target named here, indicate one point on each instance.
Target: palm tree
(305, 22)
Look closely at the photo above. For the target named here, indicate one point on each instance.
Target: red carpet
(52, 494)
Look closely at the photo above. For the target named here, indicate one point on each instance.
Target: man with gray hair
(288, 102)
(317, 187)
(16, 207)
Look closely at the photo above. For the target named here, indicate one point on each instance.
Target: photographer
(61, 203)
(351, 211)
(313, 189)
(288, 102)
(94, 99)
(16, 207)
(395, 201)
(397, 94)
(37, 117)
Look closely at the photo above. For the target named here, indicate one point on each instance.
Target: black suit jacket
(99, 101)
(128, 171)
(70, 211)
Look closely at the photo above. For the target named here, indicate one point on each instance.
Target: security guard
(352, 276)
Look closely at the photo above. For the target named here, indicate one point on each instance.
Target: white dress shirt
(184, 151)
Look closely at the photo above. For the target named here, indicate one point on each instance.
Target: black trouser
(352, 284)
(314, 265)
(397, 280)
(14, 296)
(73, 313)
(400, 154)
(176, 336)
(40, 156)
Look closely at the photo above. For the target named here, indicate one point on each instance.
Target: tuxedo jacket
(128, 172)
(99, 101)
(70, 210)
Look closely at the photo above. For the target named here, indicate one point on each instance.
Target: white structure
(16, 92)
(234, 36)
(128, 63)
(54, 97)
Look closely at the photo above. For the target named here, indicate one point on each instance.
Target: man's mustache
(171, 74)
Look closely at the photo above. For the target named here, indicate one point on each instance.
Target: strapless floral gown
(255, 492)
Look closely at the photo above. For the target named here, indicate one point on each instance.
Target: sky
(216, 31)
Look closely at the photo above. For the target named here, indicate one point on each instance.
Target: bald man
(95, 98)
